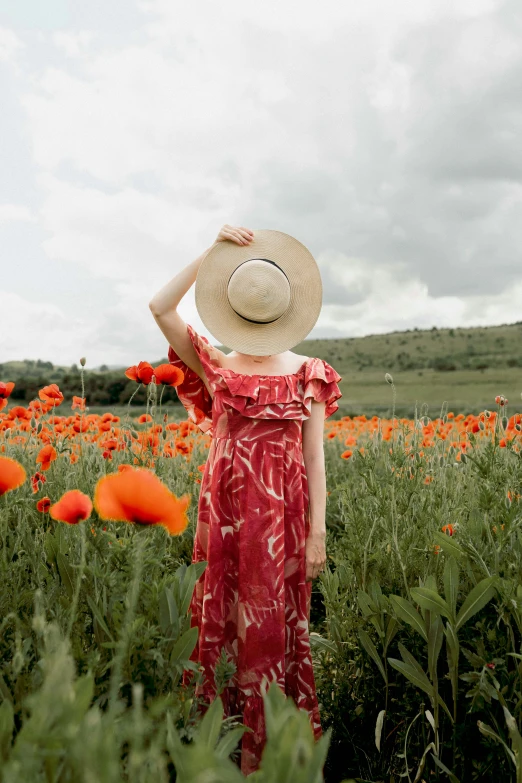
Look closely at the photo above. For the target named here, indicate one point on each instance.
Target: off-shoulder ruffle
(193, 394)
(253, 395)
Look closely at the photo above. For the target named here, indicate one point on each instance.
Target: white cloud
(74, 44)
(15, 212)
(39, 330)
(382, 135)
(393, 303)
(10, 44)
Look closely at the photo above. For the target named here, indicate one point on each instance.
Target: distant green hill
(466, 367)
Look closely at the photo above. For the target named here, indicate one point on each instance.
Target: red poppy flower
(5, 391)
(168, 375)
(78, 402)
(73, 507)
(51, 394)
(12, 474)
(141, 373)
(44, 504)
(138, 496)
(46, 455)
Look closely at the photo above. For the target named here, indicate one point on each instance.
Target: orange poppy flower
(46, 455)
(12, 474)
(347, 454)
(19, 412)
(141, 373)
(36, 479)
(72, 507)
(168, 375)
(43, 505)
(51, 394)
(78, 402)
(449, 529)
(140, 497)
(5, 391)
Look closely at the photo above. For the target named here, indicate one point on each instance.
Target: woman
(261, 513)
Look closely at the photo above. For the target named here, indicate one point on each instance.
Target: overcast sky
(385, 136)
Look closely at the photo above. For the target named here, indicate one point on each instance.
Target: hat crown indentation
(259, 290)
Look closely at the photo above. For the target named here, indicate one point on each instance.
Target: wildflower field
(416, 623)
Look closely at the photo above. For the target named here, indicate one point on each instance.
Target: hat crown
(269, 310)
(259, 291)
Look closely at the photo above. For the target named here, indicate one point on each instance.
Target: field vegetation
(416, 623)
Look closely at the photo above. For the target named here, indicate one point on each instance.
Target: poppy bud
(33, 422)
(388, 378)
(82, 361)
(482, 425)
(39, 427)
(134, 434)
(463, 458)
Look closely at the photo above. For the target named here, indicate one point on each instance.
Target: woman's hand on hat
(238, 234)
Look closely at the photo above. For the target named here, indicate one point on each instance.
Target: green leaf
(320, 643)
(408, 658)
(211, 724)
(168, 611)
(84, 691)
(6, 727)
(372, 651)
(487, 731)
(435, 634)
(451, 583)
(186, 586)
(66, 573)
(453, 778)
(413, 676)
(229, 742)
(177, 750)
(407, 612)
(514, 733)
(476, 600)
(448, 544)
(185, 645)
(378, 729)
(99, 616)
(392, 627)
(50, 547)
(431, 601)
(420, 678)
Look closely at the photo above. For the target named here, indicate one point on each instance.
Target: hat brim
(233, 331)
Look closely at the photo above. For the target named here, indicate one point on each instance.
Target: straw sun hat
(262, 298)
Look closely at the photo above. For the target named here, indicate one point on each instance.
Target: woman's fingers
(241, 236)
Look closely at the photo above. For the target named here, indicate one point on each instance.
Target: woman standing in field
(261, 513)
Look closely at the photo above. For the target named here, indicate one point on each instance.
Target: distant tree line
(111, 388)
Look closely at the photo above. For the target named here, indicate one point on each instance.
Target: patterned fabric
(253, 521)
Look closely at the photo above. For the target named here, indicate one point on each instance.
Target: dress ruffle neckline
(256, 396)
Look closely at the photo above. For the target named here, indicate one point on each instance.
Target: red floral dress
(253, 521)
